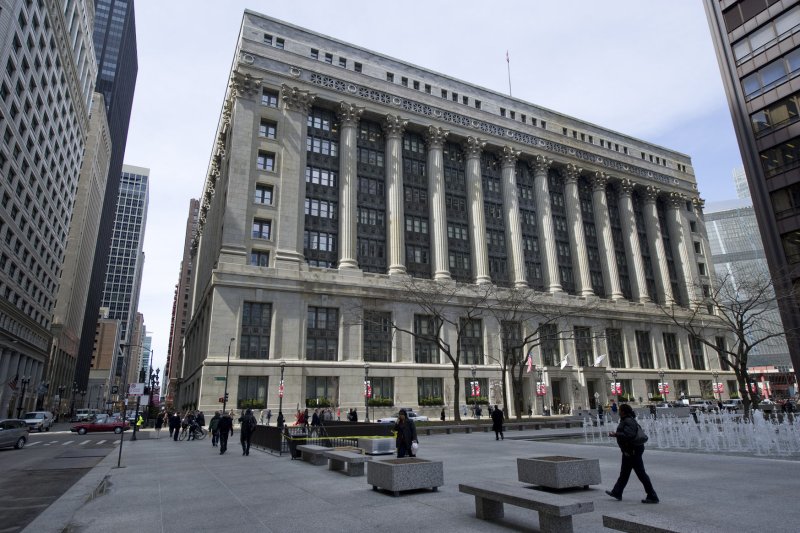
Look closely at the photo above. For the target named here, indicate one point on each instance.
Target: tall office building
(46, 86)
(339, 173)
(759, 56)
(115, 48)
(123, 276)
(180, 306)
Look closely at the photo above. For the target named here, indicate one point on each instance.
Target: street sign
(219, 378)
(135, 389)
(114, 389)
(221, 399)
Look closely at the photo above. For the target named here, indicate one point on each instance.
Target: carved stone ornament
(599, 181)
(626, 187)
(473, 146)
(349, 114)
(676, 200)
(698, 203)
(572, 173)
(650, 194)
(541, 164)
(296, 99)
(394, 125)
(435, 136)
(243, 84)
(509, 157)
(227, 108)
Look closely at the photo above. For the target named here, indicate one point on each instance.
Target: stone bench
(555, 510)
(558, 471)
(351, 463)
(406, 473)
(644, 522)
(311, 453)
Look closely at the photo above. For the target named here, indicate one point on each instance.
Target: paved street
(174, 486)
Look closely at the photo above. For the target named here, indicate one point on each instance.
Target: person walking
(441, 416)
(247, 427)
(406, 435)
(497, 423)
(225, 428)
(630, 440)
(174, 425)
(213, 427)
(280, 419)
(200, 418)
(614, 409)
(159, 423)
(269, 415)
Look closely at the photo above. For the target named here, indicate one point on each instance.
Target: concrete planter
(377, 445)
(559, 472)
(408, 473)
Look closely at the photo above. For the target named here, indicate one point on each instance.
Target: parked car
(412, 415)
(82, 415)
(39, 420)
(100, 422)
(733, 404)
(663, 405)
(13, 432)
(703, 405)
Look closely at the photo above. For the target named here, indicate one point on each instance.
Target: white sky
(643, 68)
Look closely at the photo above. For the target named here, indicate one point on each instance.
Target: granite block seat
(644, 522)
(559, 472)
(351, 463)
(406, 473)
(555, 510)
(311, 453)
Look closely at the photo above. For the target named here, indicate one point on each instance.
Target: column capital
(509, 157)
(541, 164)
(296, 99)
(599, 181)
(349, 114)
(572, 173)
(698, 204)
(626, 187)
(435, 136)
(650, 194)
(675, 200)
(394, 126)
(243, 84)
(473, 146)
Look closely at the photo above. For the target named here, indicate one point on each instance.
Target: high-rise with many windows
(46, 88)
(341, 176)
(756, 45)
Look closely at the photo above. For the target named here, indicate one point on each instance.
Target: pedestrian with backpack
(630, 439)
(224, 427)
(248, 426)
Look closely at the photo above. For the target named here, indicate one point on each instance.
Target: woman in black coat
(406, 434)
(497, 423)
(632, 452)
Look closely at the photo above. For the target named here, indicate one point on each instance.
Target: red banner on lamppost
(663, 388)
(280, 390)
(616, 388)
(367, 389)
(541, 389)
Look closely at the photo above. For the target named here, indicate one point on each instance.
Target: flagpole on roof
(508, 65)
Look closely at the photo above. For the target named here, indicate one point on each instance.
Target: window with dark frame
(255, 330)
(322, 334)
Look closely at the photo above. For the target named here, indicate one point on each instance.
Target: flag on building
(530, 362)
(13, 383)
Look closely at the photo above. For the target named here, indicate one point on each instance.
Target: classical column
(656, 245)
(547, 239)
(577, 239)
(675, 205)
(630, 237)
(437, 212)
(511, 215)
(605, 241)
(349, 115)
(477, 220)
(393, 127)
(291, 203)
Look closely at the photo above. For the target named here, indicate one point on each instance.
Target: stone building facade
(340, 174)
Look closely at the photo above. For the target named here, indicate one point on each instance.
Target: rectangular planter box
(559, 472)
(377, 445)
(408, 473)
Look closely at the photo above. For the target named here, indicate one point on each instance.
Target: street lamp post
(83, 398)
(663, 385)
(25, 382)
(614, 391)
(540, 386)
(366, 392)
(280, 397)
(75, 391)
(717, 388)
(227, 368)
(61, 390)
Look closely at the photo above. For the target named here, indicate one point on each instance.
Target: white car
(413, 416)
(38, 420)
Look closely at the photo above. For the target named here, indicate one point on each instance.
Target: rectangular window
(583, 346)
(390, 77)
(329, 58)
(265, 161)
(377, 336)
(321, 388)
(264, 194)
(279, 43)
(251, 392)
(262, 229)
(320, 176)
(343, 62)
(259, 258)
(477, 104)
(426, 348)
(427, 88)
(320, 208)
(382, 387)
(644, 349)
(416, 85)
(322, 146)
(256, 327)
(471, 341)
(671, 351)
(314, 53)
(455, 97)
(615, 347)
(269, 97)
(444, 93)
(322, 334)
(404, 81)
(319, 240)
(429, 391)
(549, 345)
(357, 66)
(267, 129)
(696, 347)
(268, 39)
(502, 111)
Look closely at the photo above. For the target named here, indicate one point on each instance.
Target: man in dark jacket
(632, 450)
(225, 428)
(213, 427)
(175, 425)
(406, 434)
(248, 426)
(497, 423)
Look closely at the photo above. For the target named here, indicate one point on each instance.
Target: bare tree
(744, 308)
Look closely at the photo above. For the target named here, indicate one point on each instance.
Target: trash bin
(293, 441)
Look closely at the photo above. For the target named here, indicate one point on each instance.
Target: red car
(100, 422)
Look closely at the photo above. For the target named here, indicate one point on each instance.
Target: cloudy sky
(646, 69)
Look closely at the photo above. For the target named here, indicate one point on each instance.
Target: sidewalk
(172, 486)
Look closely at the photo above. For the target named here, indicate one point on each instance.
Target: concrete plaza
(178, 486)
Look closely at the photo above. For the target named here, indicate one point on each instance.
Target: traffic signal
(226, 396)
